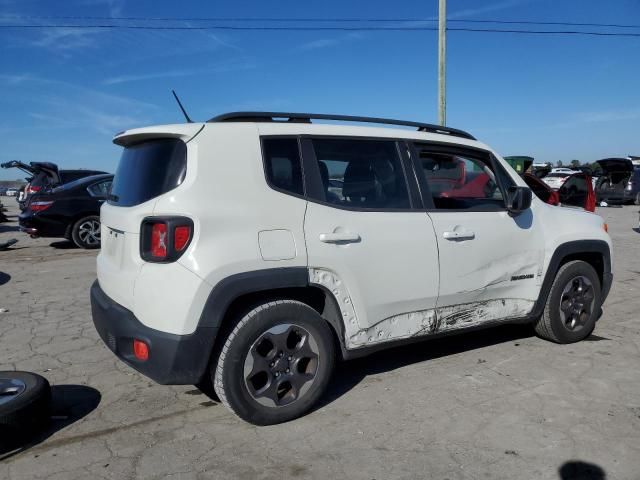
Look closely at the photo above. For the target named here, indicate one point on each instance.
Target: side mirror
(518, 199)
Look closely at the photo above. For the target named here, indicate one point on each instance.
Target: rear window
(147, 170)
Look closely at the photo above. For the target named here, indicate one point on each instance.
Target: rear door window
(147, 170)
(365, 174)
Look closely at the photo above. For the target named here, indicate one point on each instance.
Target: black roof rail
(307, 117)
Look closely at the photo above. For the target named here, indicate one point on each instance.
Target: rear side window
(282, 164)
(147, 170)
(100, 189)
(361, 174)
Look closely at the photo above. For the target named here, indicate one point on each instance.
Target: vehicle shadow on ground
(637, 230)
(578, 470)
(9, 228)
(4, 278)
(351, 373)
(69, 403)
(63, 245)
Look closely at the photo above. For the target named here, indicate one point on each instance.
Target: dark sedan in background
(43, 176)
(70, 211)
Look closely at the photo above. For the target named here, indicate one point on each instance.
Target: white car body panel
(400, 280)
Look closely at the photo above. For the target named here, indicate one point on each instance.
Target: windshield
(147, 170)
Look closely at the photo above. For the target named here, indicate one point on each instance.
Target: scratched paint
(419, 323)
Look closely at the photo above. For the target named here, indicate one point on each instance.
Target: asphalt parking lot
(495, 404)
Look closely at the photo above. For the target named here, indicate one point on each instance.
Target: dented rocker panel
(420, 323)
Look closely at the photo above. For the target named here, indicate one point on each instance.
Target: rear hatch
(153, 162)
(616, 173)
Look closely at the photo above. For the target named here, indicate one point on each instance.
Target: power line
(319, 20)
(332, 28)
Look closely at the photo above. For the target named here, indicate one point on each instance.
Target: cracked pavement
(496, 404)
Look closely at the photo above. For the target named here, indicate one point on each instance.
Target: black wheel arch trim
(565, 250)
(235, 286)
(231, 288)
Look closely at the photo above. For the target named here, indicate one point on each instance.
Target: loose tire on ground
(275, 364)
(25, 402)
(86, 232)
(560, 321)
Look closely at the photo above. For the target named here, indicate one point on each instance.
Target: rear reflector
(40, 206)
(159, 240)
(140, 350)
(181, 237)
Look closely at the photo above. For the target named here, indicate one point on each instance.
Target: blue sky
(65, 92)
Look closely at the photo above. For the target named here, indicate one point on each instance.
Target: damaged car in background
(45, 175)
(70, 211)
(618, 182)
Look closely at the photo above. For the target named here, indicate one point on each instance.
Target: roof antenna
(184, 112)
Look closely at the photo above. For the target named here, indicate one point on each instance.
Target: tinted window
(147, 170)
(282, 164)
(461, 182)
(100, 189)
(361, 173)
(574, 191)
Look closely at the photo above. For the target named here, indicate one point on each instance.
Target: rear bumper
(41, 226)
(173, 359)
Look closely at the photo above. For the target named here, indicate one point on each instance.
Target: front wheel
(276, 363)
(573, 304)
(86, 232)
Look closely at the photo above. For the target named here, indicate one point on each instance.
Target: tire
(86, 232)
(283, 339)
(560, 321)
(25, 403)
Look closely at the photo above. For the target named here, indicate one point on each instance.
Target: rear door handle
(459, 235)
(339, 237)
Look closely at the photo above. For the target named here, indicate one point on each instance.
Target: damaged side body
(418, 323)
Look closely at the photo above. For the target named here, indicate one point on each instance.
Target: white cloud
(62, 39)
(223, 67)
(492, 7)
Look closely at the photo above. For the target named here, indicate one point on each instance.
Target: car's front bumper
(173, 359)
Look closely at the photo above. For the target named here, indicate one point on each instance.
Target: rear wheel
(276, 363)
(573, 304)
(86, 232)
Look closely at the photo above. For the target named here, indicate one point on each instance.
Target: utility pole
(442, 63)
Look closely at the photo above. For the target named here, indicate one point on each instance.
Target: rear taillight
(554, 198)
(34, 189)
(159, 240)
(40, 206)
(164, 239)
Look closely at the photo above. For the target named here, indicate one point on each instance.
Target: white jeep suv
(249, 253)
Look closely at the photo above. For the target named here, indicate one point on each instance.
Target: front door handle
(459, 235)
(339, 237)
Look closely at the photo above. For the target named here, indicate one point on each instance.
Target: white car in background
(557, 177)
(11, 192)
